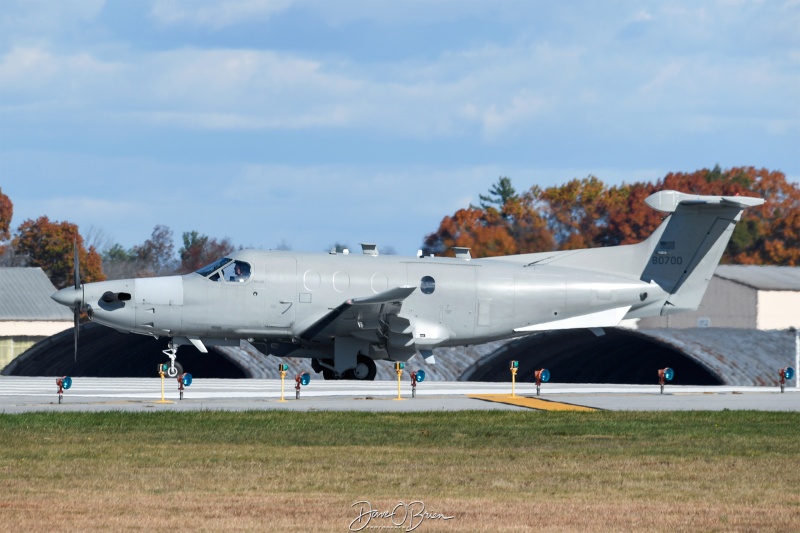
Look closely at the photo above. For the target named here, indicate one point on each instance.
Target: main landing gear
(365, 369)
(175, 369)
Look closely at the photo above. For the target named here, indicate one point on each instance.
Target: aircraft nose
(69, 296)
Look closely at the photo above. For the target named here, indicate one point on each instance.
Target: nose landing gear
(174, 369)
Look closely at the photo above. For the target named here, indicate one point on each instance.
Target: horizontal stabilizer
(668, 201)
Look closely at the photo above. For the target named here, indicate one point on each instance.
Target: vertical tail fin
(690, 243)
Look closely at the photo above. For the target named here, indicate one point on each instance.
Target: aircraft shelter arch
(578, 356)
(699, 356)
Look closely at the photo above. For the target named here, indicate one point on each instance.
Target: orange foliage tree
(526, 225)
(587, 213)
(576, 212)
(199, 251)
(768, 234)
(6, 212)
(483, 231)
(49, 245)
(514, 226)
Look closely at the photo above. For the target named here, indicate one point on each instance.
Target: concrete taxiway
(27, 394)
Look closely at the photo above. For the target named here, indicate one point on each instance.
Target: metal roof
(25, 295)
(764, 278)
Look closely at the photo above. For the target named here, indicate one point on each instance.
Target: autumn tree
(526, 225)
(157, 254)
(49, 245)
(154, 257)
(629, 219)
(767, 234)
(575, 212)
(6, 212)
(119, 263)
(585, 213)
(506, 223)
(199, 250)
(484, 232)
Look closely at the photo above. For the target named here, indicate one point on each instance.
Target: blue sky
(314, 122)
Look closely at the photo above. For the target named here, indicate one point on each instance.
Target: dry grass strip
(490, 471)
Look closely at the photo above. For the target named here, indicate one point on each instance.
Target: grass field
(491, 471)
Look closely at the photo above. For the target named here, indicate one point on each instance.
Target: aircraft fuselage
(455, 302)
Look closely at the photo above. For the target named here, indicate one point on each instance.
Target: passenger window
(427, 285)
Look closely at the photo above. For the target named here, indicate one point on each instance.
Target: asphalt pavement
(26, 394)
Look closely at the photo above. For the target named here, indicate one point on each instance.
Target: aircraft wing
(368, 315)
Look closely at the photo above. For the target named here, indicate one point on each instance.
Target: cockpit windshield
(227, 269)
(213, 267)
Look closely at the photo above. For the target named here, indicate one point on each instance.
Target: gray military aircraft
(347, 310)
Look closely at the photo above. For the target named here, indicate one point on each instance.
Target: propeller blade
(77, 330)
(76, 273)
(76, 278)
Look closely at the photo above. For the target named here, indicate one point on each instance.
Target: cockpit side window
(237, 272)
(227, 269)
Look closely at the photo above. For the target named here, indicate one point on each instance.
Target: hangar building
(742, 296)
(27, 313)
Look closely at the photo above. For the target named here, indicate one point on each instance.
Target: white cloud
(491, 92)
(28, 68)
(663, 77)
(549, 73)
(521, 109)
(215, 14)
(25, 22)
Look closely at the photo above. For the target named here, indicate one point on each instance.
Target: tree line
(587, 213)
(49, 245)
(582, 213)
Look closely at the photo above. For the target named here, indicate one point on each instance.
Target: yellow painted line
(531, 403)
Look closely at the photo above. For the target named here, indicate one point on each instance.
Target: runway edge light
(664, 375)
(416, 377)
(184, 380)
(398, 367)
(542, 376)
(786, 373)
(283, 368)
(513, 366)
(64, 383)
(300, 379)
